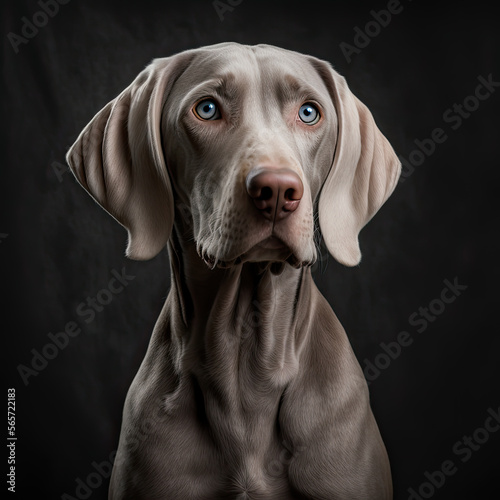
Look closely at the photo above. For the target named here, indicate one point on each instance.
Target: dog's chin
(270, 252)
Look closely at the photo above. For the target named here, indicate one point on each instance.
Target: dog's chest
(206, 449)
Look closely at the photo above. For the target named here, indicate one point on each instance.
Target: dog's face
(190, 132)
(232, 112)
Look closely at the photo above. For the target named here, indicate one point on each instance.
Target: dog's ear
(118, 159)
(364, 173)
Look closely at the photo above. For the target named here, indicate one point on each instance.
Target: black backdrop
(57, 247)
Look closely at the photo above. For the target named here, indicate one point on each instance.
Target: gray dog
(250, 389)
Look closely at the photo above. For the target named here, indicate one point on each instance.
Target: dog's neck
(232, 341)
(223, 319)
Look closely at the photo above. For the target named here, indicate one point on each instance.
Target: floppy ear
(118, 159)
(364, 173)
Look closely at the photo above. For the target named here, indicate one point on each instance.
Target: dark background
(439, 224)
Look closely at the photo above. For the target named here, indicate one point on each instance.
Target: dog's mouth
(271, 250)
(271, 243)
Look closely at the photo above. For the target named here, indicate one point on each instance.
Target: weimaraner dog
(229, 155)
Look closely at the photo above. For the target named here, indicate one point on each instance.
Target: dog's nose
(275, 192)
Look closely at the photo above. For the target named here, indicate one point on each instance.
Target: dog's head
(240, 147)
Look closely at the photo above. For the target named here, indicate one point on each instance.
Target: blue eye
(207, 110)
(309, 113)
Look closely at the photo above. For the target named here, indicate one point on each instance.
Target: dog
(232, 156)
